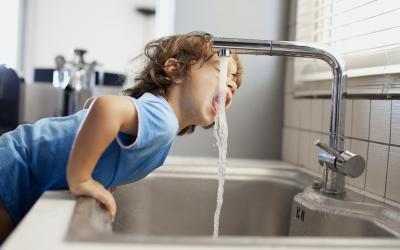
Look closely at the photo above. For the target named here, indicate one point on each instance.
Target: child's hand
(94, 189)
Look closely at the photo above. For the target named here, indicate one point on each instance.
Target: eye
(216, 68)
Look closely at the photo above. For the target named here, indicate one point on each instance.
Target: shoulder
(118, 110)
(155, 114)
(115, 102)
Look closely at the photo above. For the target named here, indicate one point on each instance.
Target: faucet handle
(328, 149)
(344, 162)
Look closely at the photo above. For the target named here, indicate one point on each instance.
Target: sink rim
(352, 205)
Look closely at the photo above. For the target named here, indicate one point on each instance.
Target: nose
(232, 86)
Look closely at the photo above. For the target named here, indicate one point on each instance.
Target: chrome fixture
(344, 162)
(224, 52)
(336, 162)
(75, 81)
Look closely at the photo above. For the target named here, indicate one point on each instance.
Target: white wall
(112, 31)
(165, 18)
(255, 118)
(9, 25)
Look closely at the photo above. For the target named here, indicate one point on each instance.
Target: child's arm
(107, 116)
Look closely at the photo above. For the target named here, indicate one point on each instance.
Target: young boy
(119, 139)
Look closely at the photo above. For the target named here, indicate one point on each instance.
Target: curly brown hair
(187, 49)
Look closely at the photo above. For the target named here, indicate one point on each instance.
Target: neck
(173, 98)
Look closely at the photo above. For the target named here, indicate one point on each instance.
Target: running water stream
(221, 134)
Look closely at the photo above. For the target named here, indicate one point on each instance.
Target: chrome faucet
(336, 162)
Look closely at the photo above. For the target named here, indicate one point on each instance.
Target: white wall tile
(285, 145)
(347, 144)
(288, 76)
(360, 121)
(294, 149)
(326, 115)
(325, 139)
(305, 114)
(289, 145)
(348, 117)
(287, 108)
(393, 176)
(295, 112)
(304, 148)
(380, 121)
(316, 115)
(313, 153)
(395, 134)
(376, 168)
(360, 148)
(374, 120)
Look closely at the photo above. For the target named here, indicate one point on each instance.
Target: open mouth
(215, 102)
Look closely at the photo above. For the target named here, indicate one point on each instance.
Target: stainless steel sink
(176, 204)
(347, 215)
(183, 204)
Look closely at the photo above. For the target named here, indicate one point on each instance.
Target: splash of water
(221, 135)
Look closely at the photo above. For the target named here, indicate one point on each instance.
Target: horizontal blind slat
(369, 18)
(355, 28)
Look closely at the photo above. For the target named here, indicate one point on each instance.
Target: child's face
(201, 90)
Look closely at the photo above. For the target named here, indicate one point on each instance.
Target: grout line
(347, 137)
(351, 119)
(390, 144)
(378, 96)
(321, 116)
(366, 160)
(388, 153)
(298, 148)
(373, 196)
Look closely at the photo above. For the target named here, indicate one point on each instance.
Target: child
(119, 139)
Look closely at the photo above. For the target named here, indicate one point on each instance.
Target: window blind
(365, 32)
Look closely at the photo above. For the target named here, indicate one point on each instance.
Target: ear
(171, 67)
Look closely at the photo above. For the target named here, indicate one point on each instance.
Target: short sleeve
(157, 124)
(157, 127)
(128, 141)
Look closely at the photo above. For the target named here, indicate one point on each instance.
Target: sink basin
(183, 204)
(176, 204)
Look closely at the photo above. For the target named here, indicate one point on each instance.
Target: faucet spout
(333, 181)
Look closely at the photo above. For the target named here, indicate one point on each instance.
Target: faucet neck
(333, 182)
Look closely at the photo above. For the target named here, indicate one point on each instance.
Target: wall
(9, 23)
(371, 129)
(112, 31)
(165, 18)
(255, 118)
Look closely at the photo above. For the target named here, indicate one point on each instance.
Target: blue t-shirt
(34, 157)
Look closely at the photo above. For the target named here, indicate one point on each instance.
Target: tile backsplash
(372, 129)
